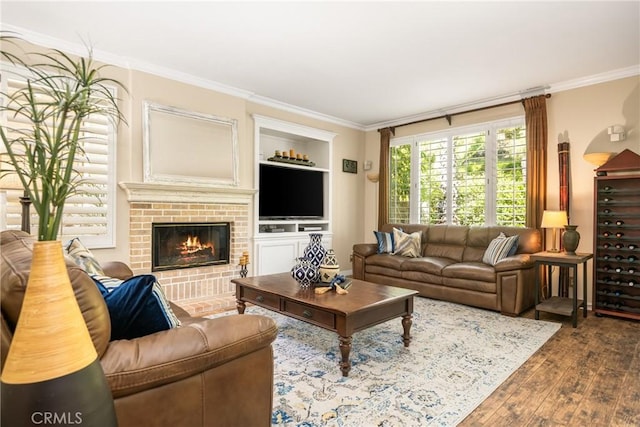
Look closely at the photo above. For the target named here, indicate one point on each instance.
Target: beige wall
(348, 200)
(583, 114)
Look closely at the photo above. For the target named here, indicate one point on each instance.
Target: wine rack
(616, 278)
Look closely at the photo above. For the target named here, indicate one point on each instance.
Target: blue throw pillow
(514, 248)
(385, 242)
(137, 306)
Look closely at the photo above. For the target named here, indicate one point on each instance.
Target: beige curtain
(536, 119)
(383, 183)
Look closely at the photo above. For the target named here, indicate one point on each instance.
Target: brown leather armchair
(207, 372)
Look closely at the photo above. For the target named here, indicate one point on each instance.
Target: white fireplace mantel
(168, 192)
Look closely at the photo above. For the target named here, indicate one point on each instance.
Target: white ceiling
(363, 64)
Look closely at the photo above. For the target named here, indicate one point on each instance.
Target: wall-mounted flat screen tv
(290, 193)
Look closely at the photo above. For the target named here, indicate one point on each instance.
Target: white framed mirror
(188, 147)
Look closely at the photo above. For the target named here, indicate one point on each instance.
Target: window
(467, 176)
(90, 214)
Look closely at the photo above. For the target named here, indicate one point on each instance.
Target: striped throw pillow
(385, 242)
(407, 244)
(499, 248)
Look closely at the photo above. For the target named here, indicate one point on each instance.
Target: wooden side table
(557, 304)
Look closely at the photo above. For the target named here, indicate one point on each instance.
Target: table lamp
(554, 220)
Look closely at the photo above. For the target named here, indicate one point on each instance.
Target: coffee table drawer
(310, 314)
(261, 298)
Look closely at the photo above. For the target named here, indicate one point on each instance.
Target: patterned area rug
(458, 356)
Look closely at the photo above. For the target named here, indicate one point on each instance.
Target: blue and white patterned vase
(305, 272)
(314, 251)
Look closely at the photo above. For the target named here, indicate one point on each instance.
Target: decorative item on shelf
(340, 284)
(570, 239)
(305, 272)
(329, 267)
(244, 261)
(52, 366)
(292, 158)
(554, 220)
(314, 251)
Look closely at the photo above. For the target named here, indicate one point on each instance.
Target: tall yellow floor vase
(52, 375)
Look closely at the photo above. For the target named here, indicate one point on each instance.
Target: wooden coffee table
(367, 304)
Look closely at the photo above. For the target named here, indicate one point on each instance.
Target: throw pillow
(499, 248)
(385, 242)
(407, 244)
(137, 306)
(514, 248)
(82, 256)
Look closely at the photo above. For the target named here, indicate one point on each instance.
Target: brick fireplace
(201, 289)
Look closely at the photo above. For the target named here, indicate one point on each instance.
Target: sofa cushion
(406, 244)
(137, 306)
(385, 242)
(447, 241)
(499, 248)
(386, 260)
(472, 285)
(431, 265)
(470, 270)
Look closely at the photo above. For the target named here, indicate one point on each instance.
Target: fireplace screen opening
(185, 245)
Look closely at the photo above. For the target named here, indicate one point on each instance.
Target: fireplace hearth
(187, 245)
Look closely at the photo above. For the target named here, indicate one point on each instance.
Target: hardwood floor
(587, 376)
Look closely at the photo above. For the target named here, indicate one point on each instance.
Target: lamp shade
(554, 219)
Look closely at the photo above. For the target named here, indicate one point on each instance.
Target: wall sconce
(373, 176)
(598, 159)
(554, 220)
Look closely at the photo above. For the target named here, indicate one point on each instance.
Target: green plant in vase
(52, 364)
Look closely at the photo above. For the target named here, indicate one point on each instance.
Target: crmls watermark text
(53, 418)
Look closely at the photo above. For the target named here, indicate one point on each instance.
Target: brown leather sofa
(451, 266)
(206, 372)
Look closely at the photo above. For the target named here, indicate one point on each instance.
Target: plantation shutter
(474, 175)
(469, 163)
(90, 213)
(511, 191)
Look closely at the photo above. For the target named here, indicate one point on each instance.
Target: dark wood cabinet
(616, 277)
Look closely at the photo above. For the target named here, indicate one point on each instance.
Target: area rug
(457, 357)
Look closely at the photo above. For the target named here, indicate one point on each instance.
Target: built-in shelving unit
(616, 284)
(279, 241)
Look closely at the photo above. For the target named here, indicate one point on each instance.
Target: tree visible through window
(472, 176)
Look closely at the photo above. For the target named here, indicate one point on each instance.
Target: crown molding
(124, 62)
(283, 106)
(607, 76)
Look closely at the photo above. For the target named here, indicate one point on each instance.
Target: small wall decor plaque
(350, 166)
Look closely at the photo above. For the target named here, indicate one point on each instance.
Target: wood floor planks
(589, 375)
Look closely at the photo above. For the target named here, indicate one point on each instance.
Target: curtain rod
(448, 117)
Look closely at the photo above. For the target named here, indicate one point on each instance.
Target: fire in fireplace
(185, 245)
